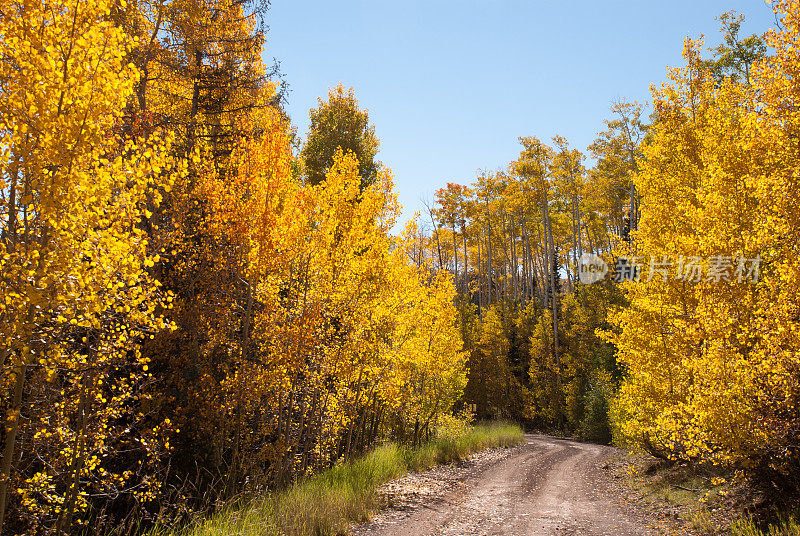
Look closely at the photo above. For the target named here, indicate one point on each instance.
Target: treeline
(689, 349)
(512, 241)
(189, 310)
(194, 304)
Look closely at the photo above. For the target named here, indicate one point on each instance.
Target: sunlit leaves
(713, 369)
(77, 292)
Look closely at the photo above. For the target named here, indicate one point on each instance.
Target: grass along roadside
(711, 501)
(326, 503)
(785, 527)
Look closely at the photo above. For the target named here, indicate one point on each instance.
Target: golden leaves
(77, 297)
(710, 365)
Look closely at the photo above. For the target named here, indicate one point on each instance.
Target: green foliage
(595, 425)
(512, 372)
(574, 393)
(339, 123)
(498, 364)
(325, 504)
(735, 56)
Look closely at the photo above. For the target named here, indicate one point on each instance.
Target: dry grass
(707, 501)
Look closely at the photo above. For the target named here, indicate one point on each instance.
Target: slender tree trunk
(554, 312)
(489, 260)
(355, 406)
(553, 287)
(528, 258)
(243, 356)
(466, 258)
(455, 257)
(12, 429)
(436, 234)
(547, 264)
(307, 435)
(65, 519)
(10, 233)
(576, 238)
(480, 271)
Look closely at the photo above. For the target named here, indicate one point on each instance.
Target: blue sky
(450, 85)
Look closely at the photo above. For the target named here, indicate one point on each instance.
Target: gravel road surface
(545, 487)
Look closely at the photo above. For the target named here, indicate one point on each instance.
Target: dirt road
(545, 487)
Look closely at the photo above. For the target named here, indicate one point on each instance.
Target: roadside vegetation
(710, 500)
(785, 527)
(326, 503)
(197, 306)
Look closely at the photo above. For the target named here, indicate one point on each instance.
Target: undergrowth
(788, 526)
(326, 503)
(710, 500)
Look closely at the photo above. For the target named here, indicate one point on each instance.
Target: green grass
(785, 527)
(326, 503)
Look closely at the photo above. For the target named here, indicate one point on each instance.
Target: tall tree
(735, 56)
(338, 123)
(78, 293)
(618, 152)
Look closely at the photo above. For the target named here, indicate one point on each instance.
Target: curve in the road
(548, 487)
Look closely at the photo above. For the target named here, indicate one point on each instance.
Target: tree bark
(12, 429)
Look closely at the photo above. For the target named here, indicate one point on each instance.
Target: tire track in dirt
(547, 487)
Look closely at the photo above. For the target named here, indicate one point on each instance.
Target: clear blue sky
(451, 84)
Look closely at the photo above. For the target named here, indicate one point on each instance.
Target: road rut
(547, 487)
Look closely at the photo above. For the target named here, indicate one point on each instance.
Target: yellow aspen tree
(687, 336)
(425, 353)
(775, 233)
(77, 295)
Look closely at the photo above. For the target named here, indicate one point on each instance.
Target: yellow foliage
(713, 366)
(74, 274)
